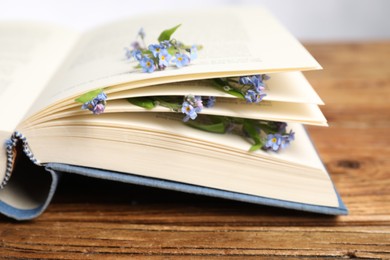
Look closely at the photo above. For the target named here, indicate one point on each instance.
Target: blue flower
(165, 44)
(198, 104)
(291, 136)
(210, 102)
(193, 52)
(252, 96)
(257, 82)
(137, 54)
(274, 141)
(96, 105)
(195, 102)
(244, 80)
(155, 49)
(147, 64)
(189, 110)
(164, 58)
(181, 60)
(101, 97)
(287, 139)
(98, 109)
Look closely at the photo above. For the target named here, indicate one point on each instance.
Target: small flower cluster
(251, 88)
(191, 106)
(161, 55)
(264, 135)
(255, 91)
(279, 140)
(97, 104)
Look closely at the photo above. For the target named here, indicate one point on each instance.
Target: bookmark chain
(10, 148)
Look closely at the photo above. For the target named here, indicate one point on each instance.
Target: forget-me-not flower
(181, 60)
(189, 110)
(286, 139)
(155, 49)
(137, 54)
(164, 58)
(253, 96)
(147, 64)
(96, 105)
(274, 141)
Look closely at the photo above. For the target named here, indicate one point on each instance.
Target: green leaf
(171, 102)
(147, 103)
(250, 128)
(219, 82)
(255, 147)
(147, 52)
(172, 51)
(236, 93)
(89, 96)
(166, 35)
(213, 128)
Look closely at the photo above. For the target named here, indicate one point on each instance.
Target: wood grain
(98, 219)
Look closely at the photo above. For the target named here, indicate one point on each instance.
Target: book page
(266, 110)
(29, 55)
(232, 44)
(285, 87)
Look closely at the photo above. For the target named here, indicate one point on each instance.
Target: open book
(44, 69)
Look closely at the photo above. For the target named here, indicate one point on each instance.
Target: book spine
(11, 154)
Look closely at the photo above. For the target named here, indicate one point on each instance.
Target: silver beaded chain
(10, 145)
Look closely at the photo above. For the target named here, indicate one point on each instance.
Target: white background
(309, 20)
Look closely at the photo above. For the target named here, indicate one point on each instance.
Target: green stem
(173, 106)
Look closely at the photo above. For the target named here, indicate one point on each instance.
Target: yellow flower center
(148, 63)
(180, 58)
(274, 140)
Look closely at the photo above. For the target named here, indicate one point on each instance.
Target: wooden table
(91, 218)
